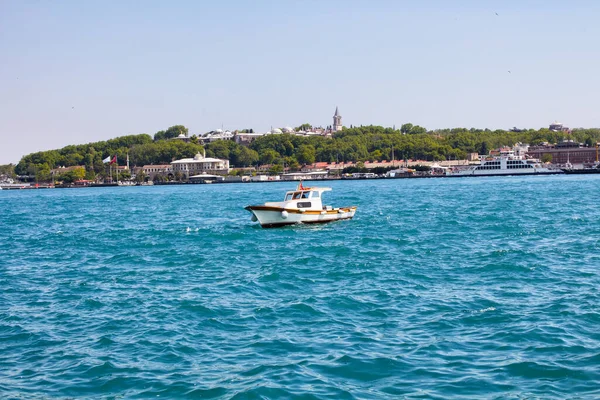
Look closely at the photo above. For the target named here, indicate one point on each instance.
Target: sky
(74, 72)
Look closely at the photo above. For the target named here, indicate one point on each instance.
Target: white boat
(301, 206)
(507, 163)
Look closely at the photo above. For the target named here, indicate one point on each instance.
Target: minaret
(337, 121)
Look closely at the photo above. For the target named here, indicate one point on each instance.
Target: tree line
(364, 143)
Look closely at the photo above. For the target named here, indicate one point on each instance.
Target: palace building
(199, 164)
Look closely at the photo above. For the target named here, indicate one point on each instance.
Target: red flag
(114, 160)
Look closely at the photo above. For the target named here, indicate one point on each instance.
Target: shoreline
(99, 185)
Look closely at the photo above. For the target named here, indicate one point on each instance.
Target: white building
(153, 170)
(199, 164)
(219, 134)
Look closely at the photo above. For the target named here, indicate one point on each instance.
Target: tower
(337, 121)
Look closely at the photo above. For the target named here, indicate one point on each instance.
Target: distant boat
(593, 169)
(301, 206)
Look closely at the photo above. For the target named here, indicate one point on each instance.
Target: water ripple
(472, 288)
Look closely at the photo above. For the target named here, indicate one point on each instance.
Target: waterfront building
(152, 170)
(337, 121)
(565, 152)
(199, 164)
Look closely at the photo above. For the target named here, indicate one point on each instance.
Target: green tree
(8, 170)
(376, 155)
(42, 173)
(304, 127)
(140, 176)
(484, 148)
(306, 154)
(221, 149)
(547, 158)
(243, 157)
(292, 163)
(276, 169)
(406, 128)
(268, 156)
(90, 175)
(125, 175)
(73, 175)
(418, 130)
(172, 132)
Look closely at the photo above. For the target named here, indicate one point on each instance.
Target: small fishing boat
(301, 206)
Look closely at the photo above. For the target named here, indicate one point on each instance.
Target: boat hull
(503, 173)
(271, 217)
(583, 171)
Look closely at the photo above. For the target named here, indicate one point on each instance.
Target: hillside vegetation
(352, 144)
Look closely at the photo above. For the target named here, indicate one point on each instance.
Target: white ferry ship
(506, 163)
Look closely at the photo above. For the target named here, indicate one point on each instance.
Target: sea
(470, 288)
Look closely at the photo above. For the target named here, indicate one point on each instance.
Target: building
(213, 136)
(565, 152)
(152, 170)
(182, 138)
(473, 157)
(247, 138)
(558, 127)
(337, 121)
(200, 164)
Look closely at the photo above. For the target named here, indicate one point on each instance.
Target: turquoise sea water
(438, 288)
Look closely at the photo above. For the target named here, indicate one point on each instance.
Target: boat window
(315, 195)
(297, 195)
(288, 196)
(306, 204)
(305, 195)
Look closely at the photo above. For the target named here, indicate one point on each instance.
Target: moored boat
(584, 169)
(301, 206)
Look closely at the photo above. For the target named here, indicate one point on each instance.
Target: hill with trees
(365, 143)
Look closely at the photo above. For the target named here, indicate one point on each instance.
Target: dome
(181, 135)
(219, 131)
(288, 129)
(276, 130)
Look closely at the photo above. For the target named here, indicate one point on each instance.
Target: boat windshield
(288, 196)
(315, 195)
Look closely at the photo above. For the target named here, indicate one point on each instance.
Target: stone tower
(337, 121)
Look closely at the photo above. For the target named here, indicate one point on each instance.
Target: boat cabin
(305, 198)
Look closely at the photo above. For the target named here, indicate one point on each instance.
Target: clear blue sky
(74, 72)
